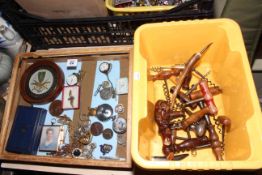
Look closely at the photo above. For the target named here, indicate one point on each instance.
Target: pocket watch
(105, 67)
(105, 90)
(72, 79)
(41, 82)
(119, 125)
(104, 112)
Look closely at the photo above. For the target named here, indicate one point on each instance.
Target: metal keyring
(53, 121)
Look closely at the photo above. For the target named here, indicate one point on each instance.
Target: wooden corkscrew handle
(208, 97)
(166, 74)
(194, 117)
(191, 144)
(225, 121)
(198, 94)
(215, 143)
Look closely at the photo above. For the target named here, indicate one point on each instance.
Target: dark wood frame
(53, 93)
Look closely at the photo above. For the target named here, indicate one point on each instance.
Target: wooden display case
(89, 57)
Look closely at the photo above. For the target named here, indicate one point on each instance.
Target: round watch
(41, 82)
(104, 112)
(105, 67)
(72, 79)
(119, 125)
(106, 93)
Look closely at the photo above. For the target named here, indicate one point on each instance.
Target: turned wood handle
(194, 117)
(189, 65)
(184, 98)
(186, 83)
(208, 97)
(191, 144)
(198, 94)
(225, 121)
(164, 75)
(215, 143)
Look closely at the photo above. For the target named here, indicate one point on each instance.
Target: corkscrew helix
(204, 77)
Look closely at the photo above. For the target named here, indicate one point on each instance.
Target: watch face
(72, 80)
(41, 82)
(105, 67)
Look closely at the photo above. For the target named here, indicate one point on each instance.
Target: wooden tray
(15, 99)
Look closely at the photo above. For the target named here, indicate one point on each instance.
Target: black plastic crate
(102, 31)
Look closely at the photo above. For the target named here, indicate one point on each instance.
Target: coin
(108, 134)
(119, 125)
(96, 129)
(55, 108)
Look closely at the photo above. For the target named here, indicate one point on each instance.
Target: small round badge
(107, 134)
(120, 108)
(77, 152)
(55, 108)
(96, 129)
(105, 148)
(119, 125)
